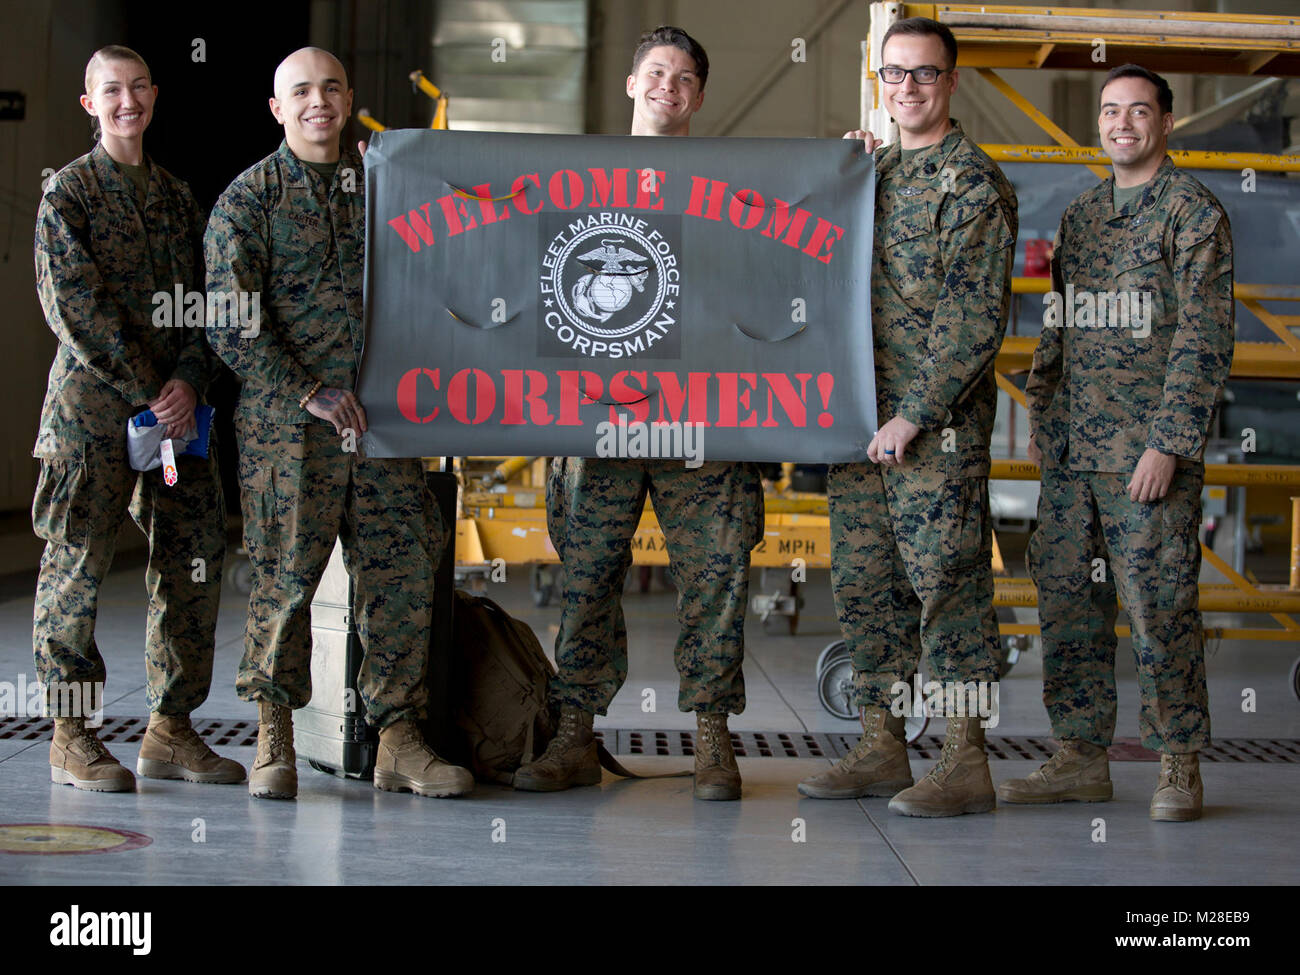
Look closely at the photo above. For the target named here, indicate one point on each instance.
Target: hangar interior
(563, 71)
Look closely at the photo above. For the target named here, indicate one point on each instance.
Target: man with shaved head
(292, 228)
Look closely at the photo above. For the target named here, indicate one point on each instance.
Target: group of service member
(1118, 422)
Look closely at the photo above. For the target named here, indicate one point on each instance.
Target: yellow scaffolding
(418, 83)
(506, 521)
(1173, 41)
(1164, 41)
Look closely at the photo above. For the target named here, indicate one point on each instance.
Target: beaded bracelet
(302, 403)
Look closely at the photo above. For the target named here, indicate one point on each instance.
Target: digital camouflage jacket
(282, 232)
(945, 237)
(99, 264)
(1107, 385)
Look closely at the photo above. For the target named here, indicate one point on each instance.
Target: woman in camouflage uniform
(115, 231)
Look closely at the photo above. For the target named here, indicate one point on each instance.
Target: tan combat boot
(274, 774)
(1078, 772)
(716, 774)
(405, 763)
(172, 749)
(958, 783)
(78, 758)
(570, 759)
(876, 766)
(1178, 796)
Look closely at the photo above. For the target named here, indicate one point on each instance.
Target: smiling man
(911, 536)
(711, 515)
(292, 227)
(1118, 418)
(666, 87)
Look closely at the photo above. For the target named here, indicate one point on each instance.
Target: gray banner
(525, 294)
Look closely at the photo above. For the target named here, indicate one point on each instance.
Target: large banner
(618, 296)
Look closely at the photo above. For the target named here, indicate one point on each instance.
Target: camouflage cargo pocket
(914, 271)
(261, 520)
(1180, 545)
(1145, 271)
(299, 251)
(1045, 527)
(970, 542)
(61, 507)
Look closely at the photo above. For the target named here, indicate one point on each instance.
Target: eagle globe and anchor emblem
(599, 295)
(607, 290)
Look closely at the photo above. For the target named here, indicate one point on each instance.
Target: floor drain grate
(217, 732)
(228, 733)
(747, 744)
(1254, 750)
(928, 747)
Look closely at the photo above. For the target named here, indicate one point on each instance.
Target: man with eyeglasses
(910, 530)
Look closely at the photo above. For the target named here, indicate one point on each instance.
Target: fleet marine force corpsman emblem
(610, 287)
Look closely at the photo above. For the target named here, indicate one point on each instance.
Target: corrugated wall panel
(512, 65)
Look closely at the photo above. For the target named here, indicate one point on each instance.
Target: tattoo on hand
(329, 399)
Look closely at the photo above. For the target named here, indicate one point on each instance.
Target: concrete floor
(341, 831)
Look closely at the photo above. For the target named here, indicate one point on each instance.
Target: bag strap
(530, 739)
(611, 763)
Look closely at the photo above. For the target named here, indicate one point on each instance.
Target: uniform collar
(111, 177)
(296, 170)
(1153, 189)
(928, 162)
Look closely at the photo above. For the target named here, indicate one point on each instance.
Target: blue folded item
(144, 437)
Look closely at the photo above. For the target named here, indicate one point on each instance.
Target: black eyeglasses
(922, 76)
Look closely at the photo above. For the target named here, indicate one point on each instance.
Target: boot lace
(1062, 755)
(94, 748)
(870, 733)
(405, 733)
(711, 734)
(570, 730)
(948, 756)
(567, 736)
(1180, 772)
(278, 731)
(189, 736)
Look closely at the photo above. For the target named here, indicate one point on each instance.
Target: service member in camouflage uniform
(711, 517)
(115, 229)
(292, 229)
(911, 533)
(1119, 412)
